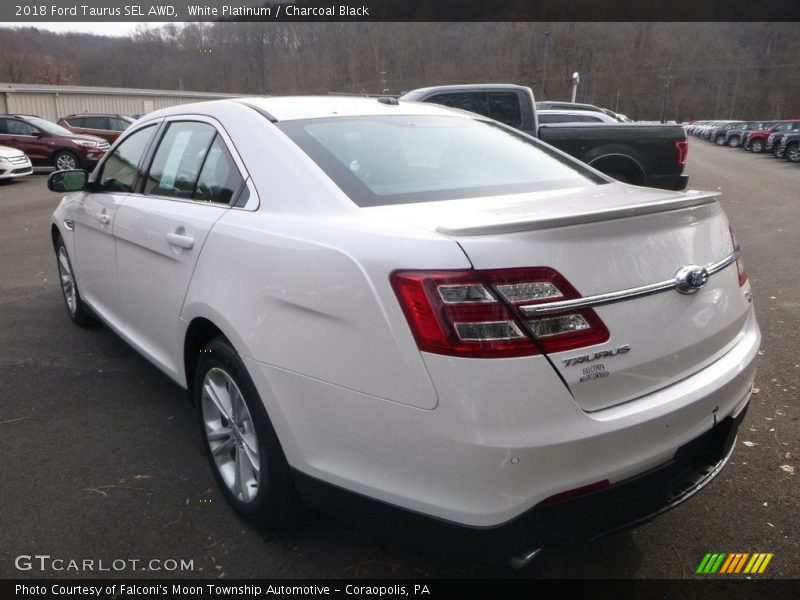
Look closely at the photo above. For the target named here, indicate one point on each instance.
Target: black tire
(76, 308)
(276, 503)
(757, 145)
(719, 140)
(64, 160)
(776, 151)
(733, 141)
(793, 153)
(619, 176)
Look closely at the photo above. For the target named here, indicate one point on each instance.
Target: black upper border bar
(413, 10)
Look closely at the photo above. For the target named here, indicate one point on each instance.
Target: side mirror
(67, 181)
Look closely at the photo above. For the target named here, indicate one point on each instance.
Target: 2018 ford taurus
(413, 315)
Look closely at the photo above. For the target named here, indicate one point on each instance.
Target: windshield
(394, 160)
(48, 127)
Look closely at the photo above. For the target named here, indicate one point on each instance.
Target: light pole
(576, 79)
(544, 60)
(667, 79)
(735, 89)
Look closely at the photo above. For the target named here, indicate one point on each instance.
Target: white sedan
(417, 315)
(14, 163)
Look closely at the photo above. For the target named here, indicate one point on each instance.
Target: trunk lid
(607, 239)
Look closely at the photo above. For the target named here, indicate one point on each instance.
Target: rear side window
(219, 178)
(95, 123)
(76, 122)
(193, 163)
(462, 101)
(179, 159)
(500, 106)
(115, 124)
(504, 107)
(392, 160)
(120, 168)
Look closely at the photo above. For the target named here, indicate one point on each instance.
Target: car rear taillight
(739, 262)
(477, 313)
(682, 148)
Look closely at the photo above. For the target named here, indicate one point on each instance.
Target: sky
(115, 29)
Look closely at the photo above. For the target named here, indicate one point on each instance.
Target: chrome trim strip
(612, 297)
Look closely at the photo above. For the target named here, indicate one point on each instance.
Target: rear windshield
(394, 160)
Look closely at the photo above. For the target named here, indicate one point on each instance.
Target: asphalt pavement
(102, 458)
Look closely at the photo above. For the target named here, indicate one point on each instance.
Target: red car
(756, 140)
(48, 144)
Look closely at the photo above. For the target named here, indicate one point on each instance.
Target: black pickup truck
(649, 155)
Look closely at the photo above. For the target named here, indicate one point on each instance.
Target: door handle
(103, 218)
(181, 241)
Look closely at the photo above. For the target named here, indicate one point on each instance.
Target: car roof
(290, 108)
(93, 114)
(467, 87)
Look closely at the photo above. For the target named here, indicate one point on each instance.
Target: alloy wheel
(66, 162)
(67, 280)
(231, 435)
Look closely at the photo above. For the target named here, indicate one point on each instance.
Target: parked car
(735, 135)
(756, 139)
(648, 155)
(790, 146)
(48, 144)
(13, 163)
(774, 139)
(416, 315)
(108, 127)
(703, 129)
(718, 133)
(573, 116)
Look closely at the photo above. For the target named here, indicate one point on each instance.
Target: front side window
(46, 126)
(393, 160)
(15, 127)
(120, 168)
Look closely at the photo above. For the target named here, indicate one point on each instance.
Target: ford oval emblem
(690, 279)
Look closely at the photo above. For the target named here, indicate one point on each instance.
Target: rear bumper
(668, 182)
(493, 450)
(626, 504)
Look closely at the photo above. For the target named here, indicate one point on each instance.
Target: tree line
(687, 70)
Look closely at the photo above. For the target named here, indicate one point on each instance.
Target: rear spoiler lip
(538, 222)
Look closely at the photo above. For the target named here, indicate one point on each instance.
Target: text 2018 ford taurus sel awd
(417, 315)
